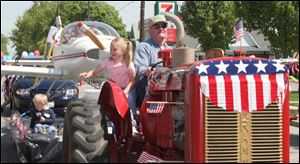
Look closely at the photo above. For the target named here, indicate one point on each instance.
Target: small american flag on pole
(238, 30)
(155, 108)
(147, 158)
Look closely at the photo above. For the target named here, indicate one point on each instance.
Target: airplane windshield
(72, 32)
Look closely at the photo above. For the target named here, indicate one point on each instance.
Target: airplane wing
(29, 62)
(37, 71)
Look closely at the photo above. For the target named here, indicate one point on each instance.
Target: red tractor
(216, 110)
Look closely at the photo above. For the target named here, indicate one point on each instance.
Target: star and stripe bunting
(243, 84)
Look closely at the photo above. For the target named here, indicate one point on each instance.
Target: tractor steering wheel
(154, 65)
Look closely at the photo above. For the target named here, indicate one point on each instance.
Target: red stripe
(213, 89)
(228, 92)
(244, 93)
(285, 77)
(67, 56)
(259, 92)
(274, 87)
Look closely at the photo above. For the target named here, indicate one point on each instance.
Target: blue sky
(129, 12)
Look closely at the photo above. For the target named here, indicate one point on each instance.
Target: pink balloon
(36, 53)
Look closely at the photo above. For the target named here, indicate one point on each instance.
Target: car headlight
(71, 92)
(23, 92)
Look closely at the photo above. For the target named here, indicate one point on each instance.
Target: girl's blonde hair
(126, 45)
(40, 98)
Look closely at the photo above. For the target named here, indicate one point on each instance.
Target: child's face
(39, 106)
(116, 52)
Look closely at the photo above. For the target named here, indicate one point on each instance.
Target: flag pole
(240, 46)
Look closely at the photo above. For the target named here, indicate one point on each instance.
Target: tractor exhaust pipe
(181, 54)
(180, 33)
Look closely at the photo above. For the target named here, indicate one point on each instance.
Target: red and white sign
(171, 35)
(165, 7)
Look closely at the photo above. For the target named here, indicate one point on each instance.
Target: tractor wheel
(83, 140)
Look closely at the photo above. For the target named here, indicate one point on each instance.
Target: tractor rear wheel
(83, 140)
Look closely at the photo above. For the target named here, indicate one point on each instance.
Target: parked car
(21, 90)
(59, 93)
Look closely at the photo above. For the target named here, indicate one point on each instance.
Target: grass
(294, 98)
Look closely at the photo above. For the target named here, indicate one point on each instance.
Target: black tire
(83, 139)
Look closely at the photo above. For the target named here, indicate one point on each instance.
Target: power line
(126, 5)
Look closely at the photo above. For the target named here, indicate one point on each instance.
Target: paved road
(294, 144)
(8, 149)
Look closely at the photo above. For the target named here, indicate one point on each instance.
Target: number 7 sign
(163, 7)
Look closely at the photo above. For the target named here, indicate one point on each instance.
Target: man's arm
(141, 60)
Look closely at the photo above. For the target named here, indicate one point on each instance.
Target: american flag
(295, 66)
(155, 108)
(147, 158)
(238, 30)
(243, 85)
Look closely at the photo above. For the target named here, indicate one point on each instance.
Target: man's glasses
(160, 25)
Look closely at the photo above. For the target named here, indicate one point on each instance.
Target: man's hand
(149, 72)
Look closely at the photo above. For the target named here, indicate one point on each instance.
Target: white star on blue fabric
(202, 68)
(222, 67)
(260, 66)
(241, 67)
(279, 66)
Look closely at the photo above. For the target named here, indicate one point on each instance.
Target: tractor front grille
(243, 137)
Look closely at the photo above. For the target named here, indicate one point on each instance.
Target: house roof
(251, 41)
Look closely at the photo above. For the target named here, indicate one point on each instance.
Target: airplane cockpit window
(72, 32)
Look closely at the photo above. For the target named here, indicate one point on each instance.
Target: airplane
(82, 46)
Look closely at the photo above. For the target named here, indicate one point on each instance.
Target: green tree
(4, 43)
(32, 28)
(211, 22)
(278, 21)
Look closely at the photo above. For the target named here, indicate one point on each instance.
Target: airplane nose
(93, 53)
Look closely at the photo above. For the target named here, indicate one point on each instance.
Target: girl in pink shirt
(119, 65)
(120, 69)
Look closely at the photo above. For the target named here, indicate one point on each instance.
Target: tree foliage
(278, 21)
(211, 22)
(32, 28)
(4, 43)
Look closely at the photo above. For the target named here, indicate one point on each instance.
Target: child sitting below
(43, 117)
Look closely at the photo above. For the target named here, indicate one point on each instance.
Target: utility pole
(142, 21)
(57, 8)
(88, 12)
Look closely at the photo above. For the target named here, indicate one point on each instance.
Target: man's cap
(152, 20)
